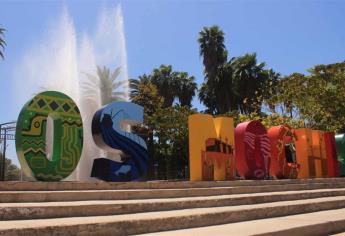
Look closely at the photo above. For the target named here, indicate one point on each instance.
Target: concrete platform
(123, 194)
(126, 224)
(148, 207)
(313, 224)
(41, 210)
(70, 185)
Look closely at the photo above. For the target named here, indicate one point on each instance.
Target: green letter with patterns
(67, 136)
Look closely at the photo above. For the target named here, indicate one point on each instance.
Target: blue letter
(108, 127)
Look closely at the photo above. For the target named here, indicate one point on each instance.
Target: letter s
(108, 134)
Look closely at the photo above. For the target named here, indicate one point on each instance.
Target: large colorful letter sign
(67, 136)
(252, 148)
(331, 154)
(319, 153)
(211, 142)
(108, 133)
(340, 144)
(311, 153)
(283, 154)
(304, 153)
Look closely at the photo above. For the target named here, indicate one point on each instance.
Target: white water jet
(110, 41)
(60, 62)
(87, 108)
(50, 64)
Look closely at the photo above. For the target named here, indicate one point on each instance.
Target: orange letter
(283, 154)
(211, 143)
(311, 153)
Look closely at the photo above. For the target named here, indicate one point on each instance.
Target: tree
(208, 97)
(186, 88)
(12, 172)
(164, 128)
(285, 93)
(216, 91)
(212, 49)
(134, 85)
(217, 94)
(170, 85)
(144, 93)
(165, 81)
(268, 121)
(106, 84)
(270, 88)
(171, 140)
(238, 84)
(318, 98)
(249, 80)
(2, 42)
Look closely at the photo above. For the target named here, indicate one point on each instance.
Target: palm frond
(2, 42)
(122, 83)
(115, 74)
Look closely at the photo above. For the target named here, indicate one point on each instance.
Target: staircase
(271, 207)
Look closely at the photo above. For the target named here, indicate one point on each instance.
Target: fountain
(61, 60)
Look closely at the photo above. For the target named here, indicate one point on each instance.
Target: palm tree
(169, 84)
(217, 94)
(208, 98)
(186, 88)
(2, 42)
(166, 82)
(212, 49)
(134, 85)
(216, 91)
(249, 81)
(107, 84)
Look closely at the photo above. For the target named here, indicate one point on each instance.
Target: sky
(290, 36)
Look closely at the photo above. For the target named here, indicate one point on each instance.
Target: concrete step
(126, 224)
(125, 194)
(60, 186)
(313, 224)
(18, 211)
(339, 234)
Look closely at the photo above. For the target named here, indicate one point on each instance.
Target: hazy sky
(290, 36)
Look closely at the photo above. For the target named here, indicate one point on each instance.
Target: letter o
(67, 136)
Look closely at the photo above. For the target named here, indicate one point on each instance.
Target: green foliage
(165, 128)
(2, 42)
(268, 121)
(239, 88)
(171, 138)
(186, 88)
(170, 85)
(318, 98)
(240, 84)
(216, 70)
(212, 49)
(145, 94)
(285, 94)
(12, 172)
(250, 80)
